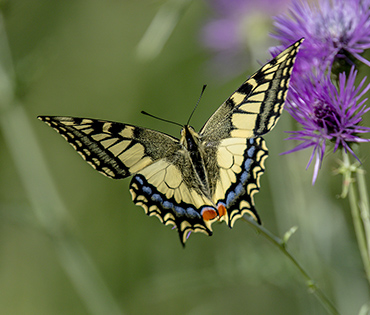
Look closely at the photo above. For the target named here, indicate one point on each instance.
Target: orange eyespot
(209, 214)
(221, 210)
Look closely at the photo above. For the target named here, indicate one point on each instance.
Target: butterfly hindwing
(169, 189)
(185, 216)
(241, 167)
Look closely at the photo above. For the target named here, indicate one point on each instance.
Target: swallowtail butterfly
(202, 177)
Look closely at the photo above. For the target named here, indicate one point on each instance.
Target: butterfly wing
(255, 107)
(237, 169)
(114, 149)
(164, 184)
(163, 192)
(234, 151)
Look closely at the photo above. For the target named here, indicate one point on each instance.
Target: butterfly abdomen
(190, 140)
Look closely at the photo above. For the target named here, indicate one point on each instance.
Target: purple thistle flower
(333, 30)
(327, 114)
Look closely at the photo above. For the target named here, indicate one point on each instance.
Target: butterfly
(202, 177)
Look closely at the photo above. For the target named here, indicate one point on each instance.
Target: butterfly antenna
(196, 105)
(162, 119)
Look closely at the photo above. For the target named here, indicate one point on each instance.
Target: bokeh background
(72, 241)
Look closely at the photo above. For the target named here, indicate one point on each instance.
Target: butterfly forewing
(114, 149)
(255, 107)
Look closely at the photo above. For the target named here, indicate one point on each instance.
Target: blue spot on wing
(192, 213)
(239, 189)
(230, 198)
(147, 190)
(168, 205)
(251, 151)
(157, 198)
(244, 176)
(179, 211)
(139, 180)
(247, 164)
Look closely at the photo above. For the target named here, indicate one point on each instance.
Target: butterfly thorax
(190, 140)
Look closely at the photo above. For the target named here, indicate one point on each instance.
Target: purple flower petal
(327, 113)
(333, 31)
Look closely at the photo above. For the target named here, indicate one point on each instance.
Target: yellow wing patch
(169, 181)
(230, 158)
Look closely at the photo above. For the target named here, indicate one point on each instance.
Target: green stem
(364, 206)
(355, 205)
(281, 244)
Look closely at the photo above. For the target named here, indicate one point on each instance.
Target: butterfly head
(189, 138)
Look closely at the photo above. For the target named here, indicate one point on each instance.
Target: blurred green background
(79, 58)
